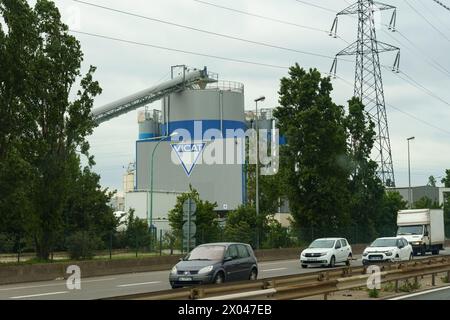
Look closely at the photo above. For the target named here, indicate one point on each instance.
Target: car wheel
(219, 278)
(253, 275)
(304, 266)
(332, 262)
(347, 263)
(410, 256)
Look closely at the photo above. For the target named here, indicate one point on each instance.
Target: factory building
(196, 139)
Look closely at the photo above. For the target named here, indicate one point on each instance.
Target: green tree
(314, 161)
(432, 181)
(87, 206)
(365, 187)
(426, 203)
(206, 218)
(40, 65)
(446, 182)
(387, 220)
(137, 233)
(241, 225)
(276, 235)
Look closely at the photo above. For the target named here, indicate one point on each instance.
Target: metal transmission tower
(368, 78)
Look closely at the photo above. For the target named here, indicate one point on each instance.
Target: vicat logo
(188, 154)
(197, 147)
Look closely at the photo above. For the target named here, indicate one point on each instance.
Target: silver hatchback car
(215, 263)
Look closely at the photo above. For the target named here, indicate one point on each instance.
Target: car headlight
(365, 254)
(205, 270)
(389, 253)
(174, 270)
(302, 254)
(323, 254)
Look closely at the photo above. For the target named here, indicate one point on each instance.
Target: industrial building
(197, 139)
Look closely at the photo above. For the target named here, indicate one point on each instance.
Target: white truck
(423, 229)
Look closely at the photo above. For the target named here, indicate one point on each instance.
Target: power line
(427, 21)
(433, 14)
(442, 5)
(261, 16)
(435, 64)
(265, 44)
(267, 18)
(179, 50)
(405, 113)
(315, 6)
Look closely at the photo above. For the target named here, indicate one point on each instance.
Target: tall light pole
(150, 215)
(260, 99)
(409, 174)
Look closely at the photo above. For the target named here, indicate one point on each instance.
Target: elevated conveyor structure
(189, 79)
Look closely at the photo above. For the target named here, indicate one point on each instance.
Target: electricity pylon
(368, 78)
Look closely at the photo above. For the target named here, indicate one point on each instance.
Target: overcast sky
(125, 68)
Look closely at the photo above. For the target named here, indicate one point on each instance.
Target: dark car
(215, 263)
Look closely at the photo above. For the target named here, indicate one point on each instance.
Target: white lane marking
(53, 284)
(97, 280)
(40, 295)
(270, 270)
(420, 293)
(138, 284)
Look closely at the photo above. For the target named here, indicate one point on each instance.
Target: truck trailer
(423, 229)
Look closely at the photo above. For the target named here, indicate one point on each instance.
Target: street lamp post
(262, 98)
(150, 215)
(409, 174)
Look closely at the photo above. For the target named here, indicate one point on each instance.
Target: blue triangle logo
(188, 154)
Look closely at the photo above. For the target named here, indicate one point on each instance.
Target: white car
(388, 250)
(326, 252)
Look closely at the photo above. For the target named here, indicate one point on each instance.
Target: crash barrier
(304, 285)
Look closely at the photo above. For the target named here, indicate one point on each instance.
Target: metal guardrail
(303, 285)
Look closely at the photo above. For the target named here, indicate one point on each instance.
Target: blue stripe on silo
(189, 125)
(143, 136)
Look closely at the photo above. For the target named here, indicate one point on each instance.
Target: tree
(276, 235)
(387, 221)
(241, 225)
(365, 187)
(314, 161)
(137, 234)
(446, 182)
(87, 206)
(206, 218)
(40, 125)
(432, 181)
(426, 203)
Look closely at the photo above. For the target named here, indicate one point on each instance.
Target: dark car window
(338, 245)
(232, 252)
(405, 243)
(344, 242)
(242, 250)
(399, 243)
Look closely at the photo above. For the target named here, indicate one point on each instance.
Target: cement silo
(208, 113)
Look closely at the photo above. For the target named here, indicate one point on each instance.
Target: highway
(433, 294)
(132, 283)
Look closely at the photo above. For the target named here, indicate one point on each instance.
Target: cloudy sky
(418, 106)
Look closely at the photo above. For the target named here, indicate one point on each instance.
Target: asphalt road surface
(132, 283)
(433, 294)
